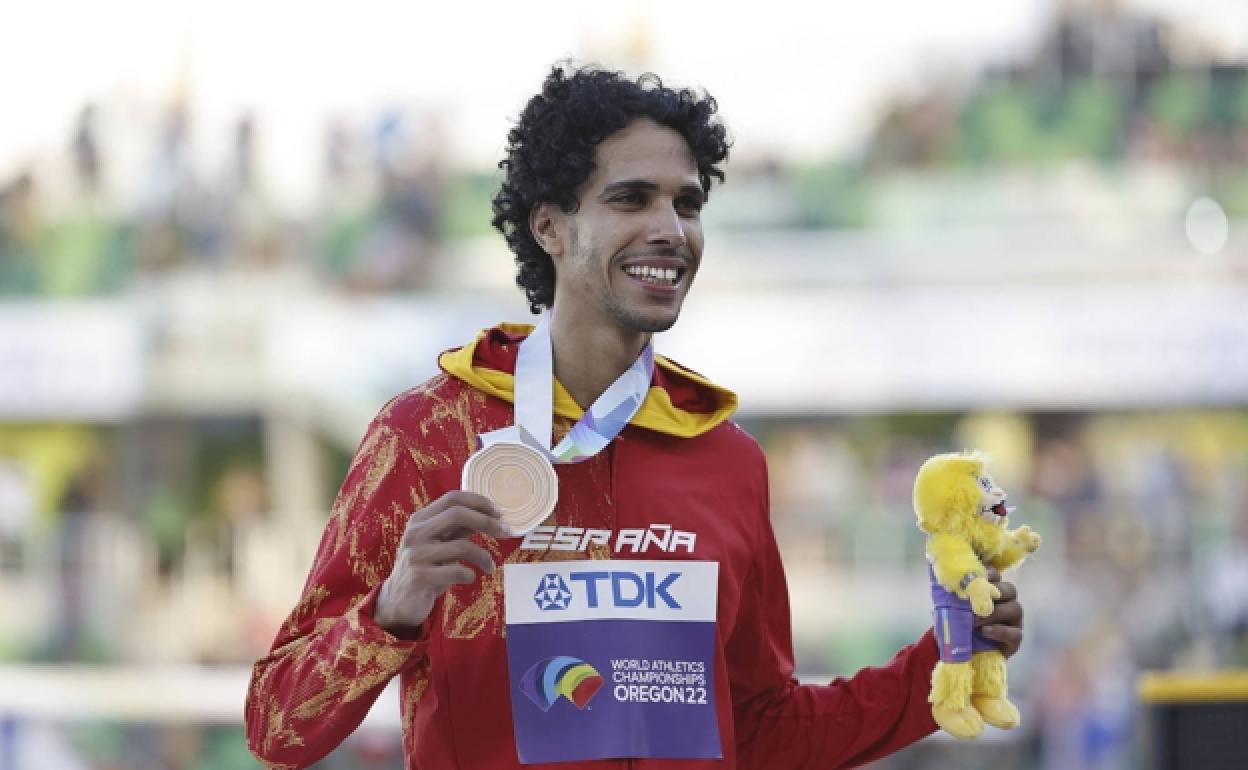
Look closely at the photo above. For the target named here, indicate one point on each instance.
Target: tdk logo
(552, 593)
(608, 588)
(626, 588)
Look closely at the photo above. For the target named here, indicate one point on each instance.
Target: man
(605, 181)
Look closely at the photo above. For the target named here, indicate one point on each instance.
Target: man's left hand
(1005, 624)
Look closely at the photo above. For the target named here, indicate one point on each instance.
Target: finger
(417, 527)
(450, 574)
(993, 574)
(436, 579)
(461, 522)
(452, 523)
(1003, 614)
(1010, 639)
(1009, 591)
(451, 499)
(453, 551)
(463, 497)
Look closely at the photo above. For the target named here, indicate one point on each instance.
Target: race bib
(612, 659)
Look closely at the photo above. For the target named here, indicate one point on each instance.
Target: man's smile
(657, 274)
(656, 277)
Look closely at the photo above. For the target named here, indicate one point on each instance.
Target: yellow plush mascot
(963, 512)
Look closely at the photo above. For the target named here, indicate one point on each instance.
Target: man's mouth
(658, 277)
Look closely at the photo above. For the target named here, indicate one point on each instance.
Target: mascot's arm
(1018, 545)
(960, 571)
(953, 560)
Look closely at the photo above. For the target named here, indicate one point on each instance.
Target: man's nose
(666, 228)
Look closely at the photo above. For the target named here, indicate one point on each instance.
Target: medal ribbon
(534, 402)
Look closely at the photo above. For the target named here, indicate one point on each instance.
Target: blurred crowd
(1104, 85)
(105, 215)
(132, 196)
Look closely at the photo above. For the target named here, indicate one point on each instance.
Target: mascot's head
(953, 490)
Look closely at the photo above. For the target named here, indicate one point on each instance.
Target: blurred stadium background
(229, 232)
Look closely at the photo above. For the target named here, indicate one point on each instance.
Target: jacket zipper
(613, 507)
(615, 524)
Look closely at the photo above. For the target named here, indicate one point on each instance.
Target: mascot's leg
(952, 684)
(989, 690)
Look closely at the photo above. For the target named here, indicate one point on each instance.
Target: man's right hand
(430, 559)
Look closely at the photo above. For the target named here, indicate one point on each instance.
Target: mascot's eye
(985, 483)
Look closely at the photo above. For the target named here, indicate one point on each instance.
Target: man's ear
(548, 224)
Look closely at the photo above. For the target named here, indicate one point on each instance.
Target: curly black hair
(550, 151)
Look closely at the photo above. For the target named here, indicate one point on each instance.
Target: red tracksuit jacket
(680, 462)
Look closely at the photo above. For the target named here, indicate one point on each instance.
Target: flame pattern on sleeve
(330, 660)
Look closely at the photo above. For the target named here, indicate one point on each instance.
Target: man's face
(632, 248)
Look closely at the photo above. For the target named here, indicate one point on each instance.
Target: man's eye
(689, 205)
(630, 198)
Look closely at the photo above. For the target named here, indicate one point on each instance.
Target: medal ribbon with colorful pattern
(534, 402)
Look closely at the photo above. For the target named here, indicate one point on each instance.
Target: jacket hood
(680, 403)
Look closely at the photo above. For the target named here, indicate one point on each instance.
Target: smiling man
(644, 623)
(624, 257)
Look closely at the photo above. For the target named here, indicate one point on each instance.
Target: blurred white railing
(144, 694)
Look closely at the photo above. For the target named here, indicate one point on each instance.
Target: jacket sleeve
(330, 660)
(845, 723)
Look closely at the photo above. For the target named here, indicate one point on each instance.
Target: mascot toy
(963, 512)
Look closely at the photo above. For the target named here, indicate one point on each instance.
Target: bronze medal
(518, 479)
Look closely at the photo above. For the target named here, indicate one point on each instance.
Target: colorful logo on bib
(552, 593)
(572, 678)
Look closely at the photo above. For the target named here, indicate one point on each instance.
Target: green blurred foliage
(226, 750)
(468, 206)
(997, 126)
(1092, 120)
(1179, 103)
(54, 454)
(84, 254)
(832, 195)
(1231, 192)
(344, 231)
(1019, 124)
